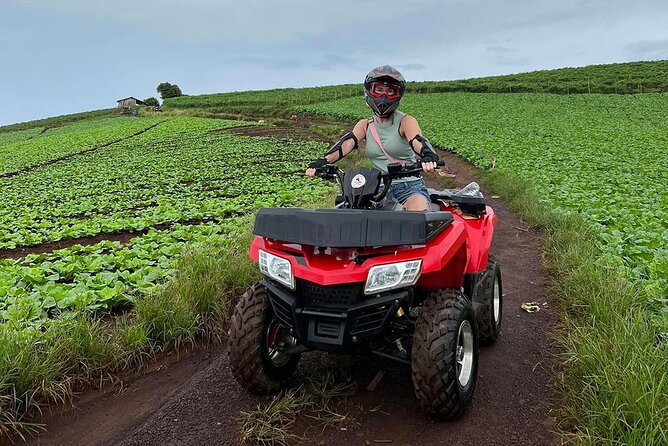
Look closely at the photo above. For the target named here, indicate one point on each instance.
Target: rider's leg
(416, 202)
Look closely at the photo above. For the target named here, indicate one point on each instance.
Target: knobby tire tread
(487, 331)
(434, 364)
(246, 333)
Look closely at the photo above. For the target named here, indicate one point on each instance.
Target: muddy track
(196, 400)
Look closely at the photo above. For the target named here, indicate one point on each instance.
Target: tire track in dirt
(511, 404)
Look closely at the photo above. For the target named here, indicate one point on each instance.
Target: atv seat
(467, 203)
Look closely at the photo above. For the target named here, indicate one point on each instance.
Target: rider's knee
(416, 203)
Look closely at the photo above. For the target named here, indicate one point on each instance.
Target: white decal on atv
(358, 181)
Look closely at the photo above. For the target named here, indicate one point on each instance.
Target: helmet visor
(390, 91)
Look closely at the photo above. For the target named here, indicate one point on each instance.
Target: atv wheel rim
(275, 340)
(464, 353)
(497, 300)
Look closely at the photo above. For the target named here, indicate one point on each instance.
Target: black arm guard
(338, 147)
(318, 163)
(427, 152)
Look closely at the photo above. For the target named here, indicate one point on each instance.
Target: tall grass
(613, 380)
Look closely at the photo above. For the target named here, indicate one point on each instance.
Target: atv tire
(250, 358)
(445, 354)
(491, 312)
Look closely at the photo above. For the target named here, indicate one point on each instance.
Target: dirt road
(196, 400)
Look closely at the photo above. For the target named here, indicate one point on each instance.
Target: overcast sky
(65, 56)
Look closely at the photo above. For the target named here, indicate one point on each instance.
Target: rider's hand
(428, 166)
(310, 172)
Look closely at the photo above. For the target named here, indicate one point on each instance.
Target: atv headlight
(394, 275)
(277, 268)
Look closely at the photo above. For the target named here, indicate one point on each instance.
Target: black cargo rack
(468, 204)
(349, 228)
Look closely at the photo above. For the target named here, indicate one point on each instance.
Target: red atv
(415, 287)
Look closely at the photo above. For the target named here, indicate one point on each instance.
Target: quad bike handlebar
(394, 171)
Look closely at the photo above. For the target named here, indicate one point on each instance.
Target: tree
(168, 90)
(151, 102)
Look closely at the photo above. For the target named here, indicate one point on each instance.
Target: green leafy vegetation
(619, 78)
(612, 378)
(183, 170)
(96, 277)
(601, 156)
(60, 142)
(280, 96)
(622, 78)
(179, 195)
(19, 135)
(45, 364)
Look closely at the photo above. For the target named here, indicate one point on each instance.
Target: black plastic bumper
(333, 328)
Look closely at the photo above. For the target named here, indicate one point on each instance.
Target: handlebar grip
(439, 163)
(326, 171)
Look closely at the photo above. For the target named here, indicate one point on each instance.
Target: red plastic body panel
(461, 248)
(479, 240)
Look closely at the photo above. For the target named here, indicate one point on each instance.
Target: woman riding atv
(391, 136)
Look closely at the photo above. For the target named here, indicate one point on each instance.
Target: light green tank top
(393, 143)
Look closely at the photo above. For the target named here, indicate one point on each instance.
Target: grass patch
(274, 423)
(613, 381)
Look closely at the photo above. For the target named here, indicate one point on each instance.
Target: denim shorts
(401, 191)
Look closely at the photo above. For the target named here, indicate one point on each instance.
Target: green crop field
(19, 135)
(59, 121)
(29, 148)
(627, 78)
(109, 206)
(619, 78)
(280, 96)
(183, 170)
(602, 156)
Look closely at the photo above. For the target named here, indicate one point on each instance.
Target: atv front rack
(349, 228)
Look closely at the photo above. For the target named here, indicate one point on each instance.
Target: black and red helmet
(383, 89)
